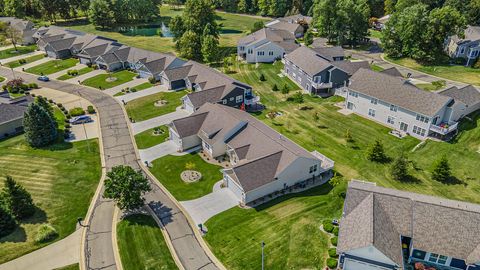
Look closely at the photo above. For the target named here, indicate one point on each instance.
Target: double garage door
(232, 186)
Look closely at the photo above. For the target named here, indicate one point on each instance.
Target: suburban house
(315, 73)
(383, 228)
(11, 114)
(330, 54)
(467, 48)
(98, 46)
(262, 161)
(266, 45)
(24, 27)
(393, 71)
(467, 99)
(396, 103)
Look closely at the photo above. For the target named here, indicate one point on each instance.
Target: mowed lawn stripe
(100, 81)
(53, 66)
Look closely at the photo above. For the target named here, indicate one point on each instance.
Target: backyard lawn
(29, 59)
(53, 66)
(101, 81)
(10, 52)
(455, 72)
(80, 72)
(149, 138)
(433, 86)
(167, 170)
(136, 88)
(144, 108)
(142, 245)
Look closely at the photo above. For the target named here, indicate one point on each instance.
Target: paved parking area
(84, 131)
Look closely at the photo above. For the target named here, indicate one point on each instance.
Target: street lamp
(263, 257)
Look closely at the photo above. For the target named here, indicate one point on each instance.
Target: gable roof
(11, 112)
(282, 25)
(469, 95)
(330, 52)
(308, 60)
(297, 18)
(351, 67)
(379, 216)
(282, 38)
(397, 91)
(393, 71)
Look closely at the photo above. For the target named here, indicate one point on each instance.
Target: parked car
(82, 119)
(43, 78)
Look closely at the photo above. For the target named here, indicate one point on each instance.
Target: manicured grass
(144, 108)
(2, 79)
(434, 86)
(142, 245)
(100, 81)
(16, 95)
(69, 267)
(61, 178)
(455, 72)
(289, 226)
(10, 52)
(167, 170)
(375, 33)
(53, 66)
(147, 138)
(30, 59)
(137, 88)
(376, 68)
(80, 72)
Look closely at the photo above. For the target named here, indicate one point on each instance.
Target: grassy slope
(53, 66)
(142, 245)
(168, 169)
(80, 72)
(99, 81)
(146, 139)
(29, 59)
(7, 53)
(144, 108)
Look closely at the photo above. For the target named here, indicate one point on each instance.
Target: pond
(145, 30)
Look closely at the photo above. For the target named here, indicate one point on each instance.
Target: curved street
(118, 149)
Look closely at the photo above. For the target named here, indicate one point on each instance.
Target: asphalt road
(120, 150)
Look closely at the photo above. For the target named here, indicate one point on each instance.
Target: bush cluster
(90, 109)
(152, 80)
(77, 111)
(334, 240)
(332, 252)
(327, 226)
(72, 72)
(332, 263)
(45, 233)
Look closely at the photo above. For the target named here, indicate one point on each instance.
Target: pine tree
(348, 136)
(441, 170)
(308, 38)
(43, 102)
(17, 199)
(262, 77)
(209, 48)
(275, 88)
(399, 168)
(7, 222)
(40, 128)
(376, 152)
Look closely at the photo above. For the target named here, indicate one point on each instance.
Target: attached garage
(177, 85)
(144, 74)
(84, 61)
(355, 265)
(235, 188)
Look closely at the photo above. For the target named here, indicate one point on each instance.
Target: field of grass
(144, 108)
(142, 245)
(147, 138)
(100, 81)
(10, 52)
(455, 72)
(137, 88)
(167, 170)
(61, 178)
(80, 72)
(376, 68)
(53, 66)
(29, 59)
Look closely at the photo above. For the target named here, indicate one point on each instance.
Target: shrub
(133, 90)
(68, 125)
(332, 252)
(45, 233)
(7, 222)
(459, 61)
(477, 64)
(332, 263)
(334, 240)
(262, 77)
(66, 121)
(335, 231)
(68, 116)
(94, 66)
(4, 87)
(90, 109)
(50, 100)
(275, 88)
(76, 111)
(152, 80)
(33, 86)
(72, 72)
(328, 227)
(59, 105)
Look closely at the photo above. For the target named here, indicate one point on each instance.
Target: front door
(349, 105)
(403, 126)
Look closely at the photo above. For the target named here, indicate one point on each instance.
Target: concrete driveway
(143, 93)
(116, 89)
(84, 131)
(158, 121)
(201, 209)
(158, 151)
(85, 76)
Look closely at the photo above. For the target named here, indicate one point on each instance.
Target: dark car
(43, 78)
(82, 119)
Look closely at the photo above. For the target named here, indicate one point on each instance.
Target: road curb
(116, 252)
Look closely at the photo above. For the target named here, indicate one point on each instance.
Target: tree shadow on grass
(410, 179)
(454, 181)
(17, 236)
(38, 217)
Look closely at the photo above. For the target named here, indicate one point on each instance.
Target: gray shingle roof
(397, 91)
(330, 52)
(282, 25)
(393, 71)
(212, 95)
(469, 95)
(308, 60)
(379, 216)
(10, 112)
(351, 67)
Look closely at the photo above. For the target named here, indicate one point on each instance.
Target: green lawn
(455, 72)
(375, 33)
(376, 68)
(433, 86)
(137, 88)
(148, 139)
(142, 245)
(167, 170)
(29, 59)
(69, 267)
(80, 72)
(62, 180)
(53, 66)
(2, 79)
(144, 108)
(7, 53)
(100, 81)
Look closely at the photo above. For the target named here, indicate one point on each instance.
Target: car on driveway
(43, 78)
(82, 119)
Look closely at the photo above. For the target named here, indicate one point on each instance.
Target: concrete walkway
(201, 209)
(58, 254)
(33, 64)
(21, 56)
(158, 151)
(112, 91)
(143, 93)
(85, 76)
(158, 121)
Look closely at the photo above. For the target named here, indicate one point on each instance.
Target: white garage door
(355, 265)
(235, 189)
(84, 61)
(144, 74)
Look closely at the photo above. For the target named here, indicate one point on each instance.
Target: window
(232, 98)
(435, 258)
(422, 118)
(313, 168)
(393, 108)
(224, 101)
(270, 53)
(353, 94)
(462, 50)
(391, 120)
(374, 101)
(260, 53)
(242, 48)
(239, 99)
(250, 51)
(419, 131)
(371, 112)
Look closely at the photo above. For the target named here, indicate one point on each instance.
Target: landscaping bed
(145, 107)
(151, 137)
(105, 81)
(24, 61)
(78, 73)
(10, 52)
(53, 66)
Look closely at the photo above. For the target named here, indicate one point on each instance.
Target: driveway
(14, 58)
(85, 76)
(201, 209)
(158, 121)
(33, 64)
(112, 91)
(143, 93)
(62, 72)
(158, 151)
(84, 131)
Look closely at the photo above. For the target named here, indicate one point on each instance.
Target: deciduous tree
(209, 48)
(14, 8)
(101, 14)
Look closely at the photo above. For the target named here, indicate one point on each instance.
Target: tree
(441, 170)
(308, 38)
(242, 6)
(13, 35)
(355, 15)
(126, 187)
(348, 136)
(262, 77)
(325, 14)
(209, 48)
(376, 152)
(275, 88)
(190, 46)
(399, 168)
(377, 8)
(176, 27)
(298, 97)
(257, 26)
(285, 90)
(14, 8)
(101, 14)
(17, 199)
(473, 13)
(390, 6)
(40, 128)
(7, 222)
(43, 102)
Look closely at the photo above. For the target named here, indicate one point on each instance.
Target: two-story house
(467, 47)
(394, 102)
(266, 45)
(25, 28)
(262, 160)
(315, 73)
(383, 228)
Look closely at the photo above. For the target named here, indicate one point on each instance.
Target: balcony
(251, 99)
(444, 129)
(322, 85)
(326, 163)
